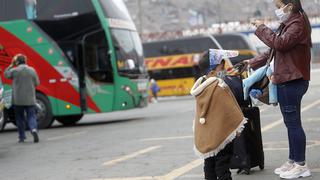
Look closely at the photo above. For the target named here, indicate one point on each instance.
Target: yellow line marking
(264, 109)
(193, 176)
(67, 136)
(316, 170)
(130, 156)
(196, 163)
(280, 121)
(170, 176)
(313, 144)
(132, 178)
(264, 129)
(312, 120)
(184, 169)
(167, 138)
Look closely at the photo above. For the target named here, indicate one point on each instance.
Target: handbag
(263, 84)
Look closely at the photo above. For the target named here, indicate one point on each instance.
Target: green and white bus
(87, 53)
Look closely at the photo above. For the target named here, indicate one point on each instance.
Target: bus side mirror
(117, 48)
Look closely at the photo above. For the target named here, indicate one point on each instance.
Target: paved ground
(151, 143)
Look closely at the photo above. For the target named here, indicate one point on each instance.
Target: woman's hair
(297, 8)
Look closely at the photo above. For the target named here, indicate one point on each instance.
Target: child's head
(206, 68)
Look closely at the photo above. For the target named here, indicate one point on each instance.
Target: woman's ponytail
(307, 21)
(298, 9)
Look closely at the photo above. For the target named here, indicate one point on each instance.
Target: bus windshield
(128, 46)
(237, 42)
(126, 39)
(115, 9)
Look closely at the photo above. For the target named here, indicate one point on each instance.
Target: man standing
(25, 80)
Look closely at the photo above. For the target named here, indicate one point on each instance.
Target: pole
(140, 17)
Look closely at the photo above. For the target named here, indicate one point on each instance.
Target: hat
(217, 55)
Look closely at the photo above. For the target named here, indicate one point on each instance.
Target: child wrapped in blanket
(256, 77)
(219, 118)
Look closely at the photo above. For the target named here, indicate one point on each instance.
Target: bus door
(73, 52)
(97, 73)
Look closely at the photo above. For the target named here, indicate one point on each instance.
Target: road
(145, 144)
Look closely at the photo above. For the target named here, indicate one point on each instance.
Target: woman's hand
(272, 79)
(246, 61)
(257, 23)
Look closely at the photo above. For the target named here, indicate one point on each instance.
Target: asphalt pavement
(153, 143)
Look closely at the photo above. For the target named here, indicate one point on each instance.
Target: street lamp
(318, 7)
(140, 16)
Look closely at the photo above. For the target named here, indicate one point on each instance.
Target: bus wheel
(44, 111)
(2, 121)
(69, 120)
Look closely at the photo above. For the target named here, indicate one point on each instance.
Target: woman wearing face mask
(291, 44)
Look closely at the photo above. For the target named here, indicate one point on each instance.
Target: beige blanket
(218, 116)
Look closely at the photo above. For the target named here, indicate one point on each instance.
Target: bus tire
(43, 111)
(69, 120)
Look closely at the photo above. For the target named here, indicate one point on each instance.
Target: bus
(87, 53)
(316, 44)
(173, 63)
(237, 41)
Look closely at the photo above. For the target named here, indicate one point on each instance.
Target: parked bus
(237, 41)
(172, 63)
(88, 55)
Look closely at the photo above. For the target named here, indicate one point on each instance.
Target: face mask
(282, 16)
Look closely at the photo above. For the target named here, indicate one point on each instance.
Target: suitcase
(248, 148)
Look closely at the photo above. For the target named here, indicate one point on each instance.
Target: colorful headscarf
(217, 55)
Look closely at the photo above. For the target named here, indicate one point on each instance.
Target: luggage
(248, 148)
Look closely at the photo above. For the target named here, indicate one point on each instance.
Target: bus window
(164, 74)
(59, 9)
(237, 42)
(232, 42)
(2, 13)
(128, 46)
(115, 9)
(97, 61)
(200, 44)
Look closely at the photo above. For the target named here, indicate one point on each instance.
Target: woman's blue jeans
(289, 96)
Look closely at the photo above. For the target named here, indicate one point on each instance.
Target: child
(218, 119)
(257, 76)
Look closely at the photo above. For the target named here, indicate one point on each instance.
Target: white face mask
(282, 16)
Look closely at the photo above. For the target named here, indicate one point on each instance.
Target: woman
(291, 75)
